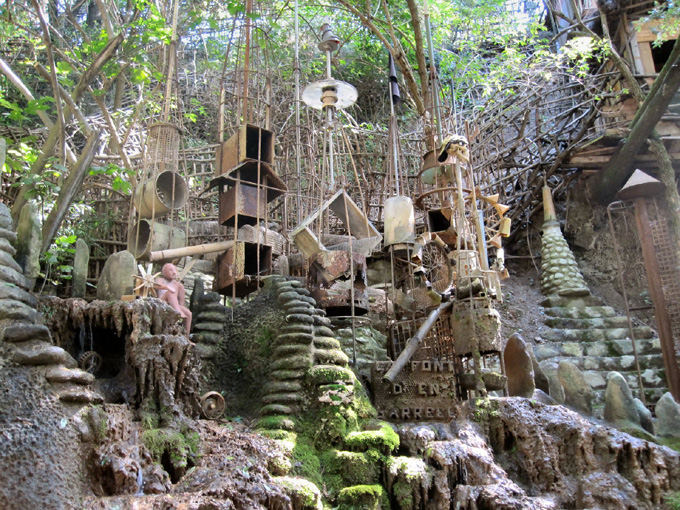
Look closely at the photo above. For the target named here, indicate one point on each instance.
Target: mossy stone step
(587, 312)
(287, 296)
(331, 357)
(212, 316)
(9, 291)
(17, 333)
(322, 321)
(651, 378)
(282, 386)
(326, 342)
(367, 497)
(275, 409)
(298, 318)
(327, 374)
(290, 350)
(282, 398)
(294, 339)
(43, 354)
(297, 328)
(297, 303)
(207, 337)
(600, 322)
(324, 331)
(308, 310)
(287, 375)
(292, 363)
(571, 302)
(595, 335)
(10, 235)
(79, 395)
(5, 245)
(60, 374)
(606, 348)
(16, 310)
(605, 364)
(215, 327)
(9, 275)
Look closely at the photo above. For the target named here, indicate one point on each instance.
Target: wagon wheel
(213, 405)
(437, 267)
(90, 361)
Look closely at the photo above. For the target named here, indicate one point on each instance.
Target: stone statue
(172, 292)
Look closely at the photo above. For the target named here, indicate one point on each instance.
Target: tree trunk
(620, 167)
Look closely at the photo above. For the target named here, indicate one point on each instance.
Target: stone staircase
(597, 340)
(30, 342)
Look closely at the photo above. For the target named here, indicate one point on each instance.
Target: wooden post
(658, 300)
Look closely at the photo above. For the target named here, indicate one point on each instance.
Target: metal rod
(298, 144)
(433, 70)
(414, 342)
(157, 256)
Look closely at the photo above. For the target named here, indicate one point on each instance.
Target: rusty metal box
(242, 200)
(248, 143)
(240, 266)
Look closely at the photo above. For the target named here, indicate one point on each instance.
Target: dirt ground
(521, 308)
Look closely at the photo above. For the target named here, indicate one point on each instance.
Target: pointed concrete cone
(559, 271)
(639, 185)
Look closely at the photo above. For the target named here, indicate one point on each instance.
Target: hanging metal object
(325, 93)
(329, 41)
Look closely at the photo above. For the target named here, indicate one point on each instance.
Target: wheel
(90, 361)
(437, 267)
(213, 405)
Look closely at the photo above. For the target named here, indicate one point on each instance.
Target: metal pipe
(298, 144)
(414, 342)
(433, 70)
(157, 256)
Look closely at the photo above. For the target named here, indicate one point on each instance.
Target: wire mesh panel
(428, 387)
(438, 342)
(667, 259)
(162, 148)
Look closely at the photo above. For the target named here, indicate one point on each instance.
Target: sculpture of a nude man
(172, 292)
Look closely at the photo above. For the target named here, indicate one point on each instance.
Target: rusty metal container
(238, 266)
(147, 236)
(248, 143)
(242, 200)
(157, 196)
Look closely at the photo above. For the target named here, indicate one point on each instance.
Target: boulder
(619, 404)
(29, 241)
(81, 262)
(667, 416)
(116, 278)
(578, 394)
(645, 416)
(549, 368)
(540, 379)
(518, 367)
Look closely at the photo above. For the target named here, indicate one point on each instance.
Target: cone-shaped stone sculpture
(559, 272)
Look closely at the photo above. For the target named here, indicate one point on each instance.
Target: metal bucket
(143, 239)
(157, 199)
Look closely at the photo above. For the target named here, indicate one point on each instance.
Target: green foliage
(363, 497)
(672, 500)
(664, 20)
(121, 178)
(485, 409)
(58, 259)
(385, 440)
(181, 447)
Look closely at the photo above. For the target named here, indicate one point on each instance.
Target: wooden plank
(646, 58)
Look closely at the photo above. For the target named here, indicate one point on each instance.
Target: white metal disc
(347, 94)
